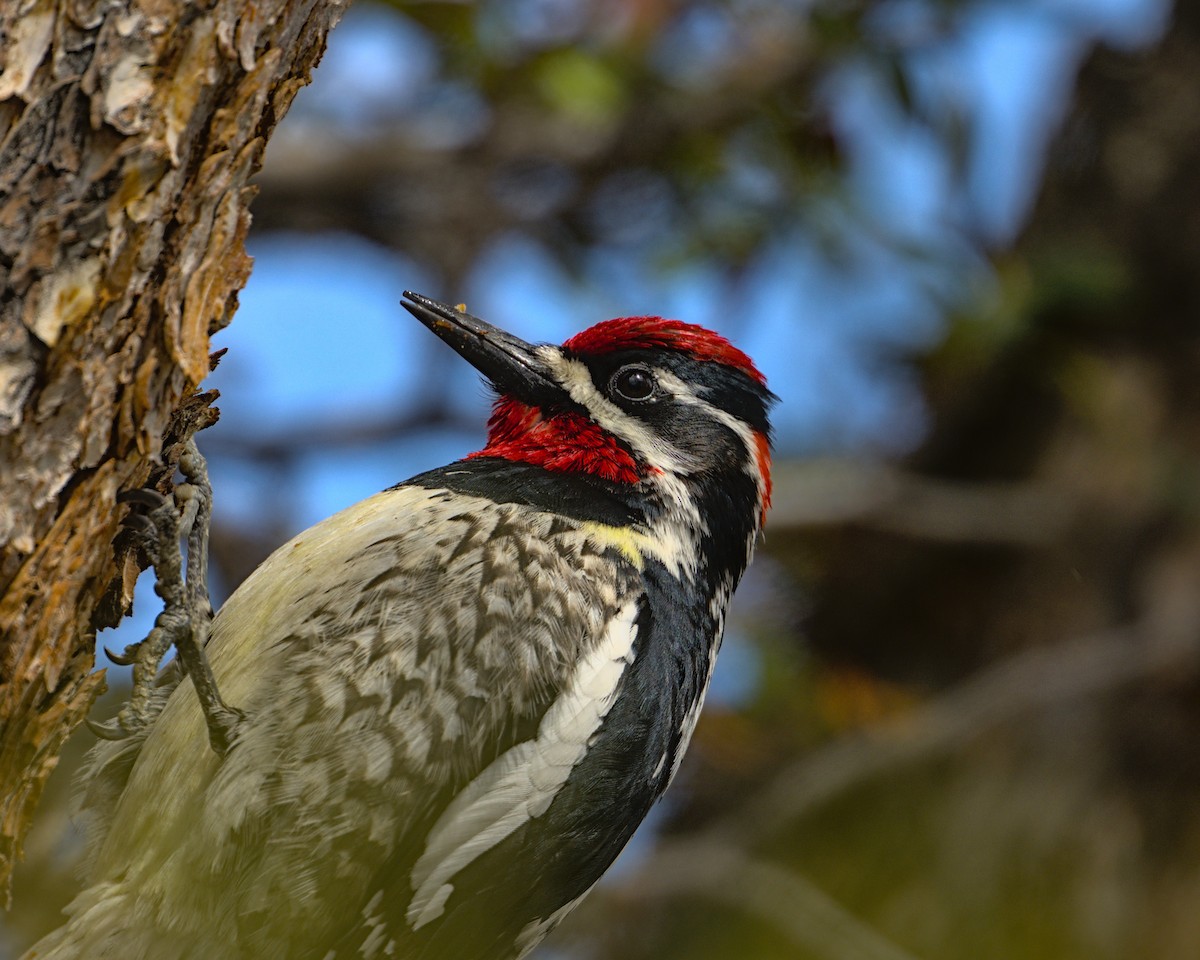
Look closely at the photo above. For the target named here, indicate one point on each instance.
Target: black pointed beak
(510, 363)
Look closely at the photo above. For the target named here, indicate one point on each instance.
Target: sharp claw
(139, 523)
(121, 659)
(143, 497)
(112, 730)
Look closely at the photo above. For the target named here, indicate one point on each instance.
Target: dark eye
(633, 383)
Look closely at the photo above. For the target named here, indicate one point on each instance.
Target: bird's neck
(701, 526)
(706, 526)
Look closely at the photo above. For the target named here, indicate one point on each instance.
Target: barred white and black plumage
(461, 695)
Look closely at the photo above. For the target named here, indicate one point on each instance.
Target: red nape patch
(655, 333)
(564, 443)
(762, 453)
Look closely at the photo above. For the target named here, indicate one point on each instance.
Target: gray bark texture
(129, 130)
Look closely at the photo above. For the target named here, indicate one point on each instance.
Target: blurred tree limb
(893, 499)
(1033, 680)
(717, 862)
(128, 135)
(541, 161)
(809, 918)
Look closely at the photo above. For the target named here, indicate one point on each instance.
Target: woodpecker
(456, 700)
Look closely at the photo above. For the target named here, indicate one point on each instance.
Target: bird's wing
(385, 659)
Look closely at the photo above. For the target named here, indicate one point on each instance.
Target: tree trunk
(128, 135)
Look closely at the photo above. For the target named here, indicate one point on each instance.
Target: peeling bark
(128, 134)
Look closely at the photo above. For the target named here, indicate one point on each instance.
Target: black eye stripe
(722, 386)
(633, 382)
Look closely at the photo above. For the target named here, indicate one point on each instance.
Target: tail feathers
(96, 915)
(106, 770)
(105, 924)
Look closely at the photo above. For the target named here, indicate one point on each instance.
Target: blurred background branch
(1049, 677)
(808, 918)
(714, 862)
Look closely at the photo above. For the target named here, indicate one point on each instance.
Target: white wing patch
(521, 783)
(534, 933)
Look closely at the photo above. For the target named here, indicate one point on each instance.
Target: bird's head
(641, 402)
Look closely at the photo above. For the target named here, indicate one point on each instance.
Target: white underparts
(521, 783)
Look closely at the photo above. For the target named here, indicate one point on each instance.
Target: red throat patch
(564, 443)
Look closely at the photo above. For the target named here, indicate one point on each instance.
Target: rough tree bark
(128, 133)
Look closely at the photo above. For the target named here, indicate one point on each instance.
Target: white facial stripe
(521, 783)
(576, 379)
(684, 392)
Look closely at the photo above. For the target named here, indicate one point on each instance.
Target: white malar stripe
(673, 540)
(684, 392)
(576, 379)
(521, 783)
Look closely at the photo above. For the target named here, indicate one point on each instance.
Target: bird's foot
(187, 612)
